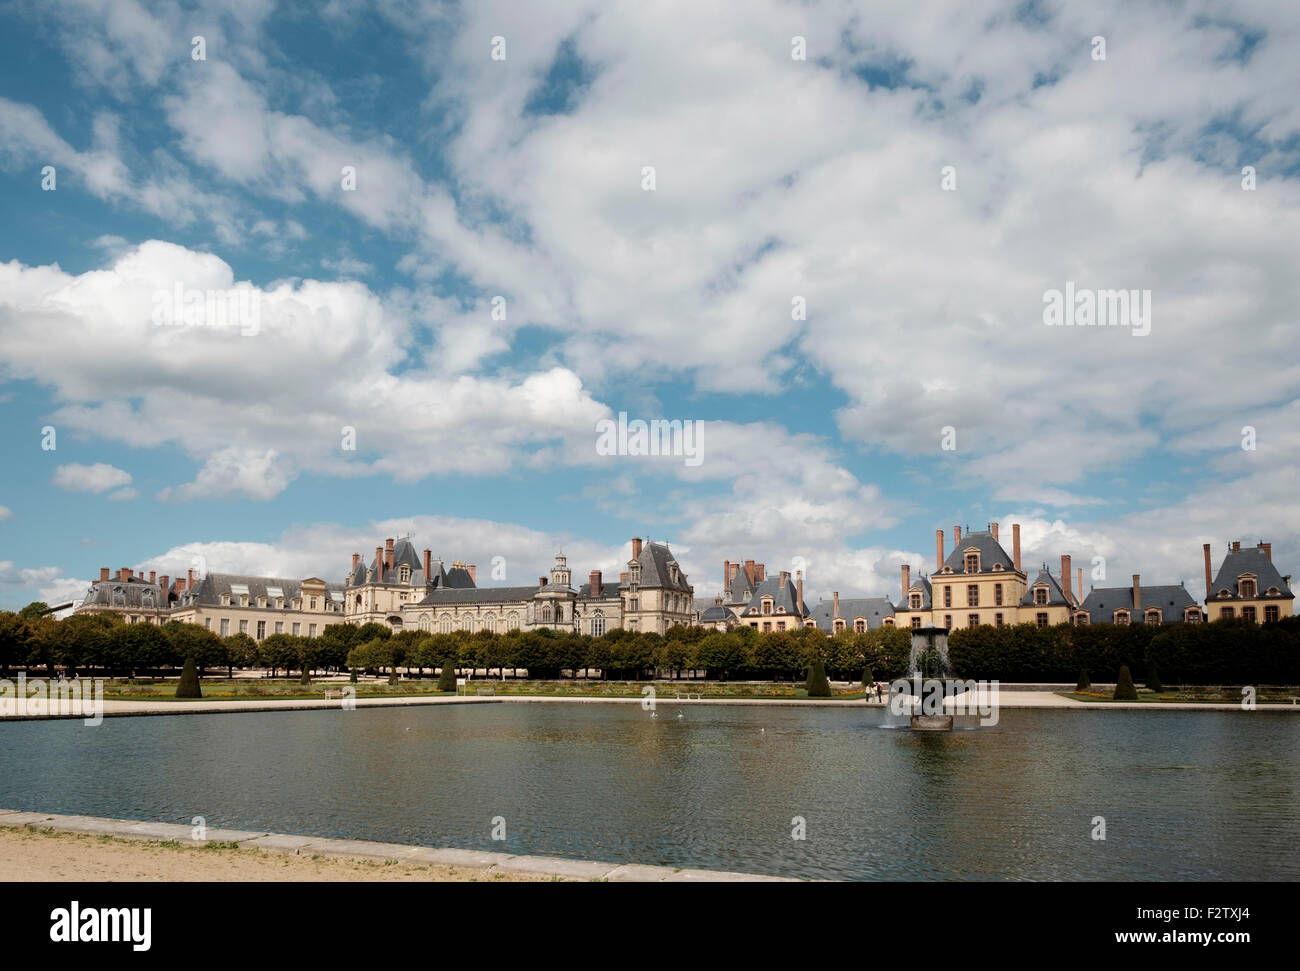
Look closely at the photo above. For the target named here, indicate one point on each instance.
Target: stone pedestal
(932, 723)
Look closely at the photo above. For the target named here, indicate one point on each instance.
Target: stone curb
(489, 862)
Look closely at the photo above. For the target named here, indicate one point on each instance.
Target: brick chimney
(1065, 578)
(993, 528)
(356, 558)
(835, 608)
(121, 574)
(190, 576)
(735, 570)
(636, 547)
(472, 570)
(956, 538)
(622, 577)
(379, 564)
(760, 572)
(388, 554)
(749, 570)
(541, 582)
(906, 582)
(1209, 577)
(938, 549)
(1236, 546)
(594, 580)
(726, 575)
(799, 589)
(783, 578)
(180, 584)
(1015, 545)
(162, 582)
(428, 565)
(103, 574)
(1137, 592)
(1268, 549)
(1080, 593)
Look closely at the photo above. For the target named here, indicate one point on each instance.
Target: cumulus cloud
(99, 477)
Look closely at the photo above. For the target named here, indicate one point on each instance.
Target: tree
(189, 683)
(14, 633)
(447, 679)
(34, 610)
(242, 651)
(1153, 677)
(1124, 689)
(817, 684)
(1084, 684)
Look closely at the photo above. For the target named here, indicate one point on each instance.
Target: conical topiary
(189, 683)
(352, 676)
(306, 676)
(868, 678)
(818, 686)
(447, 679)
(1085, 684)
(1153, 678)
(1124, 689)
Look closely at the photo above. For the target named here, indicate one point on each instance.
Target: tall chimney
(180, 584)
(622, 577)
(379, 564)
(472, 570)
(799, 588)
(735, 571)
(1137, 592)
(162, 582)
(1209, 578)
(938, 549)
(726, 576)
(636, 547)
(541, 581)
(356, 558)
(190, 576)
(760, 572)
(388, 554)
(993, 528)
(907, 583)
(1081, 586)
(1065, 578)
(121, 574)
(784, 578)
(956, 538)
(1015, 545)
(103, 574)
(594, 580)
(835, 607)
(749, 570)
(1268, 549)
(153, 577)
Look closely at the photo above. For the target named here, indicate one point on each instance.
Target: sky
(444, 242)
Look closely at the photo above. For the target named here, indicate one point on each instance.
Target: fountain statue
(928, 661)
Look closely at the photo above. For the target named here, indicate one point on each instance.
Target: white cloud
(6, 513)
(99, 477)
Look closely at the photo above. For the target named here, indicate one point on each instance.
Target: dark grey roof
(656, 561)
(873, 610)
(607, 589)
(741, 588)
(1055, 595)
(135, 593)
(450, 596)
(716, 613)
(404, 554)
(784, 595)
(208, 591)
(927, 598)
(990, 550)
(1251, 560)
(457, 578)
(1102, 602)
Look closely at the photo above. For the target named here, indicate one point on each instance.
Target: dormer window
(1193, 615)
(243, 600)
(634, 574)
(972, 563)
(915, 601)
(767, 605)
(261, 601)
(1121, 616)
(1153, 616)
(225, 600)
(403, 574)
(1247, 588)
(1040, 596)
(780, 610)
(997, 568)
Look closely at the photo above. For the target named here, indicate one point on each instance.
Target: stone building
(229, 603)
(777, 604)
(852, 613)
(1136, 604)
(1248, 585)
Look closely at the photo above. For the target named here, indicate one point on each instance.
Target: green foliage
(818, 686)
(447, 677)
(34, 610)
(1124, 688)
(189, 683)
(1153, 677)
(1083, 684)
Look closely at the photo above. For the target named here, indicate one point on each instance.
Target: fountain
(929, 661)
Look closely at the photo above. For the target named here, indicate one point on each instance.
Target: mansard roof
(1055, 595)
(1102, 602)
(739, 585)
(782, 594)
(990, 551)
(607, 590)
(209, 590)
(873, 610)
(132, 593)
(927, 599)
(1239, 563)
(450, 596)
(656, 562)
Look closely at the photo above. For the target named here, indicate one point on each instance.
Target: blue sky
(523, 178)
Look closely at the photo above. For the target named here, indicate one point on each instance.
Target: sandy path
(36, 856)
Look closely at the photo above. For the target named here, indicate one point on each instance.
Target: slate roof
(1102, 602)
(716, 613)
(927, 598)
(208, 591)
(740, 585)
(450, 596)
(656, 561)
(1250, 560)
(136, 593)
(990, 551)
(404, 554)
(873, 610)
(1055, 595)
(783, 595)
(607, 589)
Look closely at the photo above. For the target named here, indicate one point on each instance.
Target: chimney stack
(993, 528)
(636, 547)
(162, 582)
(749, 571)
(784, 578)
(622, 577)
(1080, 593)
(190, 575)
(735, 571)
(799, 588)
(379, 564)
(388, 554)
(180, 584)
(1268, 549)
(1209, 578)
(594, 580)
(938, 549)
(153, 577)
(835, 608)
(956, 538)
(726, 575)
(541, 582)
(1137, 592)
(1015, 545)
(1236, 546)
(356, 558)
(1065, 578)
(472, 570)
(906, 570)
(103, 574)
(760, 572)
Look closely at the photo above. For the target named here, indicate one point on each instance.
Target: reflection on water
(1195, 795)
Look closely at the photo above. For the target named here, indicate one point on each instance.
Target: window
(1081, 620)
(243, 600)
(313, 603)
(1226, 612)
(838, 625)
(972, 595)
(1040, 596)
(634, 603)
(997, 620)
(225, 600)
(444, 624)
(598, 623)
(243, 627)
(916, 601)
(1193, 615)
(297, 630)
(888, 622)
(767, 605)
(767, 627)
(279, 603)
(261, 629)
(1247, 588)
(972, 620)
(780, 625)
(512, 620)
(1042, 620)
(1153, 616)
(972, 563)
(546, 613)
(467, 623)
(225, 627)
(779, 610)
(1121, 616)
(916, 623)
(403, 574)
(947, 621)
(279, 627)
(261, 601)
(634, 574)
(997, 595)
(947, 596)
(860, 625)
(1248, 613)
(207, 622)
(311, 630)
(1270, 613)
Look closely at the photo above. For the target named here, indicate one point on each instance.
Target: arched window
(467, 622)
(546, 613)
(490, 622)
(559, 613)
(444, 624)
(1121, 616)
(598, 623)
(860, 625)
(1153, 616)
(512, 620)
(425, 622)
(839, 624)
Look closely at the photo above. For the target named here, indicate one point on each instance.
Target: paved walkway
(543, 866)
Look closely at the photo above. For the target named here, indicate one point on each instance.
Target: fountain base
(931, 723)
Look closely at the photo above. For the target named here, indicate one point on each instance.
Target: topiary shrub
(1085, 684)
(818, 686)
(189, 683)
(1153, 677)
(306, 676)
(447, 679)
(868, 679)
(352, 676)
(1124, 689)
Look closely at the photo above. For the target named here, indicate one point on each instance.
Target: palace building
(1247, 585)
